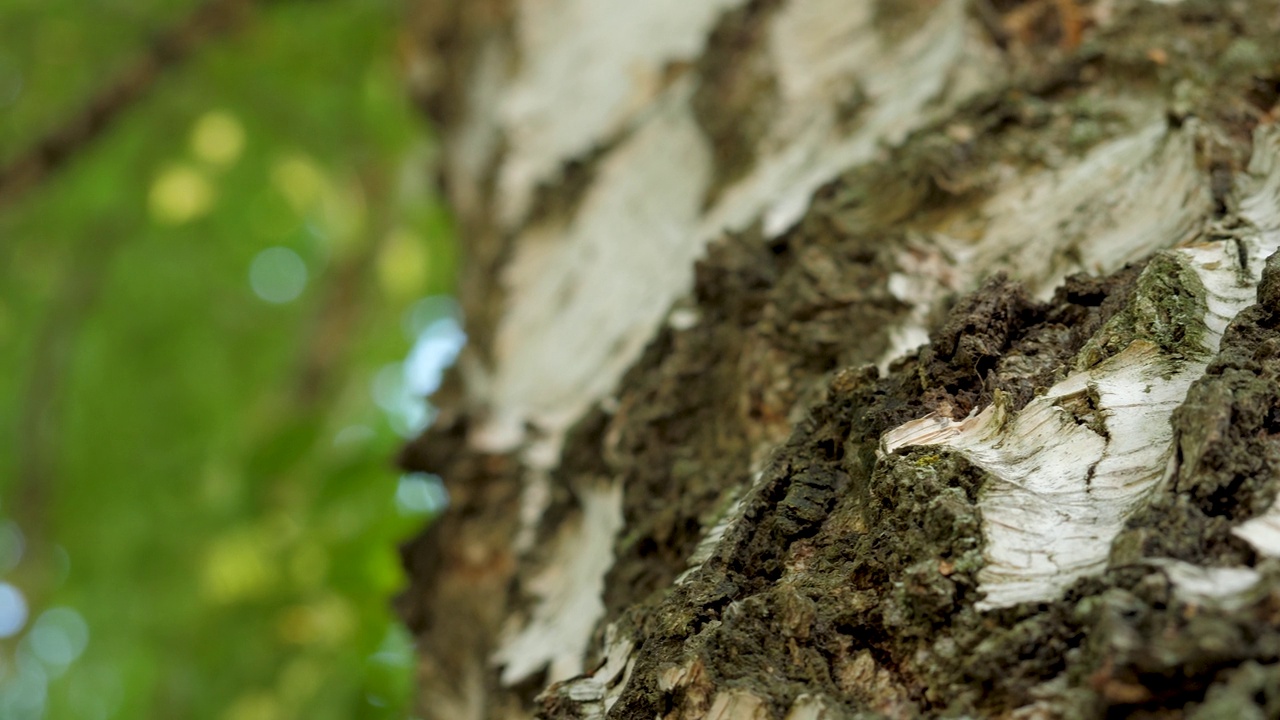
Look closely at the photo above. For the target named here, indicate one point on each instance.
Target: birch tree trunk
(855, 359)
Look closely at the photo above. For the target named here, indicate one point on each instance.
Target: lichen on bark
(1167, 308)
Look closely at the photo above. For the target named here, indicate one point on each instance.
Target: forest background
(218, 318)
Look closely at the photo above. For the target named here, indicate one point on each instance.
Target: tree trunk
(840, 359)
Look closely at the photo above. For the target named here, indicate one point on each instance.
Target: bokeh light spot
(58, 636)
(435, 350)
(300, 180)
(278, 275)
(425, 312)
(328, 621)
(13, 610)
(396, 648)
(180, 194)
(218, 138)
(402, 264)
(235, 568)
(421, 494)
(343, 213)
(389, 387)
(408, 414)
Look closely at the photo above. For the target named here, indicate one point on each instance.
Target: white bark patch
(825, 51)
(593, 695)
(587, 68)
(811, 707)
(1126, 199)
(535, 498)
(470, 152)
(585, 299)
(1225, 587)
(1262, 532)
(1059, 491)
(928, 278)
(1110, 207)
(568, 591)
(619, 663)
(738, 705)
(674, 676)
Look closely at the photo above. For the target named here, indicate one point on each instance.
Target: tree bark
(839, 359)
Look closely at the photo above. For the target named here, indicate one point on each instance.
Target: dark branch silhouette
(170, 49)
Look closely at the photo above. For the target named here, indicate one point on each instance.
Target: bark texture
(865, 359)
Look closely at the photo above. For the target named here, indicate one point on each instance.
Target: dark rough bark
(846, 581)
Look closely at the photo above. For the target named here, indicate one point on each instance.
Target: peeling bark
(856, 359)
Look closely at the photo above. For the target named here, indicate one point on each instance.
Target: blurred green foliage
(192, 457)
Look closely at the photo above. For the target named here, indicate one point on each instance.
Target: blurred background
(218, 319)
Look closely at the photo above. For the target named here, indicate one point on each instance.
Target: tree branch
(170, 49)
